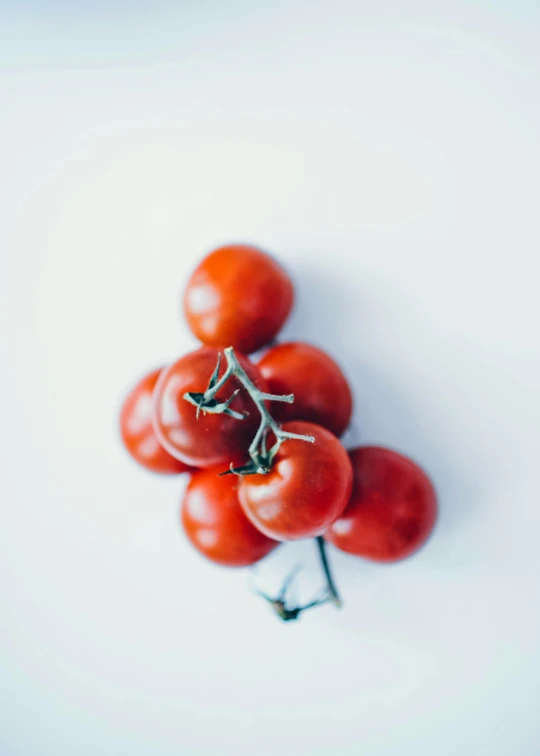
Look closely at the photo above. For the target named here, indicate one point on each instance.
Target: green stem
(259, 397)
(332, 590)
(234, 368)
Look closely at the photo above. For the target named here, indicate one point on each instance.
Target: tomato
(215, 523)
(208, 439)
(137, 432)
(307, 488)
(321, 392)
(237, 296)
(392, 510)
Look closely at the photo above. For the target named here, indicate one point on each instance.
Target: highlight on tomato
(392, 509)
(137, 432)
(204, 439)
(237, 296)
(307, 488)
(322, 394)
(215, 524)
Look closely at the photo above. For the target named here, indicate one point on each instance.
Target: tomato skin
(215, 524)
(308, 486)
(137, 432)
(321, 392)
(393, 507)
(210, 439)
(237, 296)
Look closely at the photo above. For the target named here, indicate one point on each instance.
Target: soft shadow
(331, 312)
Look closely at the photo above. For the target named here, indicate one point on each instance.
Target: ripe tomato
(215, 523)
(137, 432)
(321, 392)
(392, 509)
(307, 488)
(207, 440)
(237, 296)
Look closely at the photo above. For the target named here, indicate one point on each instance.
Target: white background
(390, 157)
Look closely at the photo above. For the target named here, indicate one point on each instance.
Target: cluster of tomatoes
(260, 439)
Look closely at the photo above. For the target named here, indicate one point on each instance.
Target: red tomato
(307, 488)
(237, 296)
(215, 523)
(207, 440)
(321, 392)
(137, 432)
(392, 509)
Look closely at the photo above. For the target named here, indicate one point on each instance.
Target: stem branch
(261, 458)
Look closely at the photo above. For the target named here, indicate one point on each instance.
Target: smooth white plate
(390, 158)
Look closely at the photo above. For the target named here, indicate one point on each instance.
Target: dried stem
(280, 606)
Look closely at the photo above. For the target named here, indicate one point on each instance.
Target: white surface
(391, 159)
